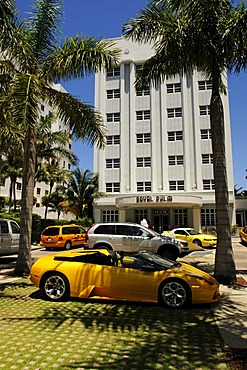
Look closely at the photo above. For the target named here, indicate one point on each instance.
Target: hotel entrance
(161, 220)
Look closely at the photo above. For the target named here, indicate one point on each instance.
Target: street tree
(210, 36)
(34, 57)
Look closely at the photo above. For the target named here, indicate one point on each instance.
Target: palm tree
(34, 59)
(210, 36)
(83, 189)
(55, 199)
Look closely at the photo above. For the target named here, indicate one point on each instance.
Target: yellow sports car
(100, 273)
(193, 236)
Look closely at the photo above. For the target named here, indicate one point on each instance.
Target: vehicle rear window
(105, 229)
(15, 228)
(51, 231)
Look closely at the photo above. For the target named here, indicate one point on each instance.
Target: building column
(196, 215)
(121, 215)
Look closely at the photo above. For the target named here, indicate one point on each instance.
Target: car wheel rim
(174, 294)
(55, 287)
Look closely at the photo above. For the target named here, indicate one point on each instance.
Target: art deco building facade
(157, 163)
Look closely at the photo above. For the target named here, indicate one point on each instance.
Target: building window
(175, 135)
(180, 216)
(140, 214)
(46, 192)
(208, 217)
(2, 182)
(173, 88)
(113, 94)
(142, 115)
(113, 163)
(205, 85)
(208, 184)
(38, 191)
(113, 187)
(110, 216)
(143, 138)
(144, 186)
(175, 160)
(174, 112)
(18, 185)
(37, 205)
(207, 158)
(204, 110)
(143, 92)
(42, 107)
(113, 117)
(138, 68)
(113, 72)
(205, 134)
(176, 185)
(113, 140)
(143, 162)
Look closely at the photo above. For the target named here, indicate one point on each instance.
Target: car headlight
(203, 279)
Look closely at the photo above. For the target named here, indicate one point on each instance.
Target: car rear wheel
(55, 287)
(197, 242)
(67, 245)
(174, 293)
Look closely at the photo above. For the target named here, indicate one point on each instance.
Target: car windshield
(156, 260)
(193, 232)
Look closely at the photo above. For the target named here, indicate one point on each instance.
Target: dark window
(51, 231)
(15, 228)
(4, 227)
(123, 230)
(105, 229)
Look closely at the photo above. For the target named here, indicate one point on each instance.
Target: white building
(41, 188)
(157, 163)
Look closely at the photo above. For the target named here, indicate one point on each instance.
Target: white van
(9, 236)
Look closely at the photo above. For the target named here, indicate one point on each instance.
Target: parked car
(243, 235)
(100, 273)
(63, 236)
(193, 236)
(132, 237)
(9, 236)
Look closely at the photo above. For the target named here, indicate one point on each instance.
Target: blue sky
(105, 19)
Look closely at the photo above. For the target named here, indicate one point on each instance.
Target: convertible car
(100, 273)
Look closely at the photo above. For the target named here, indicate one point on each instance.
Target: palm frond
(85, 122)
(44, 27)
(81, 56)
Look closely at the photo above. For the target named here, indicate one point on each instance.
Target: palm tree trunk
(225, 271)
(24, 260)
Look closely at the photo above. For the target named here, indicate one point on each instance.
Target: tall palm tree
(210, 36)
(34, 59)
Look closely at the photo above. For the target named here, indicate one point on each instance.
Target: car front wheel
(55, 287)
(197, 242)
(174, 293)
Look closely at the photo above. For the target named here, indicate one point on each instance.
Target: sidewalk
(231, 311)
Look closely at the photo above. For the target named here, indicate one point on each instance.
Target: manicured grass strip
(78, 334)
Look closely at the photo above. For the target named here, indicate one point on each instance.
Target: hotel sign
(153, 198)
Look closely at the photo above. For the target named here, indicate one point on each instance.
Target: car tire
(67, 245)
(168, 253)
(174, 293)
(197, 242)
(55, 286)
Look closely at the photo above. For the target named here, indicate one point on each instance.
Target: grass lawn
(78, 334)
